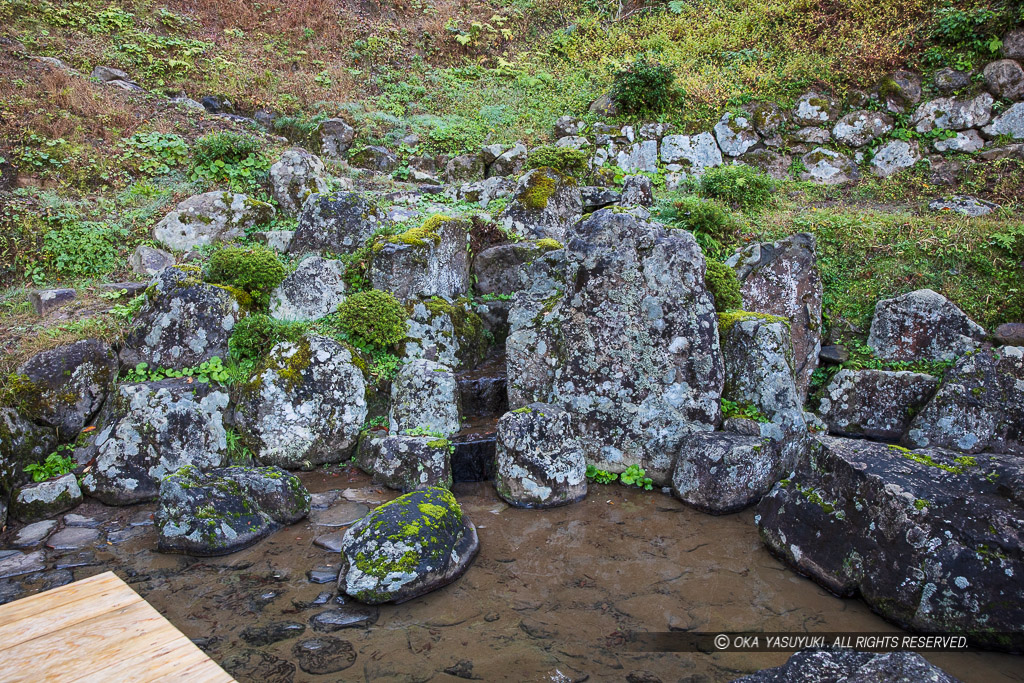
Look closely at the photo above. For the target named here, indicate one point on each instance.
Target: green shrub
(716, 229)
(231, 158)
(644, 87)
(724, 286)
(254, 336)
(563, 159)
(254, 270)
(741, 186)
(83, 248)
(373, 319)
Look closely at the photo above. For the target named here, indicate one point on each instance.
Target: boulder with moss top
(899, 92)
(874, 404)
(339, 223)
(411, 463)
(415, 544)
(425, 396)
(304, 405)
(313, 290)
(545, 203)
(450, 333)
(539, 463)
(429, 260)
(828, 167)
(224, 510)
(922, 325)
(211, 217)
(46, 499)
(296, 176)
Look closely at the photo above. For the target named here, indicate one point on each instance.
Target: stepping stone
(74, 560)
(330, 541)
(342, 514)
(74, 519)
(367, 495)
(72, 538)
(9, 591)
(22, 563)
(324, 655)
(34, 534)
(45, 300)
(350, 616)
(323, 574)
(122, 535)
(272, 633)
(323, 500)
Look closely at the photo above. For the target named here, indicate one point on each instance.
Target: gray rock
(899, 91)
(808, 666)
(311, 291)
(33, 534)
(874, 404)
(349, 616)
(815, 109)
(814, 135)
(595, 198)
(425, 394)
(489, 153)
(545, 203)
(150, 430)
(539, 463)
(965, 205)
(1010, 334)
(324, 655)
(576, 142)
(1013, 44)
(149, 261)
(1005, 79)
(384, 562)
(1011, 151)
(858, 128)
(828, 167)
(568, 125)
(639, 156)
(278, 240)
(295, 176)
(510, 163)
(336, 137)
(979, 407)
(430, 260)
(451, 334)
(895, 156)
(22, 563)
(483, 192)
(211, 217)
(948, 80)
(464, 168)
(225, 510)
(73, 538)
(604, 106)
(105, 74)
(922, 325)
(694, 152)
(410, 463)
(637, 190)
(834, 354)
(273, 632)
(47, 498)
(1010, 122)
(21, 443)
(374, 158)
(953, 114)
(304, 405)
(735, 135)
(722, 472)
(653, 131)
(188, 103)
(498, 270)
(340, 514)
(130, 290)
(768, 117)
(964, 142)
(46, 300)
(340, 223)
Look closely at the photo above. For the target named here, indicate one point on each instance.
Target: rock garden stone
(851, 665)
(429, 260)
(694, 152)
(295, 176)
(637, 190)
(964, 141)
(225, 510)
(539, 462)
(183, 323)
(374, 158)
(73, 538)
(893, 157)
(415, 544)
(149, 261)
(211, 217)
(858, 128)
(425, 395)
(349, 616)
(278, 240)
(66, 386)
(339, 223)
(463, 168)
(1005, 79)
(47, 498)
(815, 109)
(576, 142)
(568, 125)
(1010, 122)
(311, 291)
(498, 270)
(1010, 334)
(947, 80)
(304, 406)
(891, 525)
(21, 443)
(773, 163)
(46, 300)
(781, 278)
(336, 137)
(722, 472)
(510, 163)
(639, 156)
(274, 632)
(814, 135)
(962, 204)
(735, 135)
(595, 198)
(768, 118)
(152, 429)
(953, 114)
(922, 325)
(828, 167)
(483, 192)
(874, 404)
(410, 463)
(545, 204)
(450, 334)
(899, 91)
(33, 534)
(1013, 44)
(979, 407)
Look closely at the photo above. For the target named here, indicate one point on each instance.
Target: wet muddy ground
(548, 598)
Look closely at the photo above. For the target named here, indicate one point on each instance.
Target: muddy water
(547, 599)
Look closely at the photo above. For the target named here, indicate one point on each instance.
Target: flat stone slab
(72, 538)
(349, 616)
(324, 499)
(331, 541)
(22, 563)
(323, 574)
(126, 534)
(34, 534)
(342, 514)
(74, 519)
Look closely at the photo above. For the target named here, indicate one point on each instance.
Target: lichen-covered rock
(295, 176)
(150, 261)
(183, 323)
(498, 269)
(374, 158)
(224, 510)
(947, 80)
(815, 666)
(858, 128)
(338, 223)
(336, 137)
(65, 387)
(311, 291)
(639, 156)
(815, 109)
(736, 135)
(430, 260)
(963, 141)
(1005, 79)
(979, 407)
(46, 499)
(815, 135)
(425, 395)
(464, 168)
(953, 114)
(1010, 122)
(21, 443)
(931, 540)
(304, 405)
(899, 91)
(483, 192)
(545, 204)
(922, 325)
(694, 152)
(415, 544)
(1009, 334)
(895, 156)
(971, 207)
(595, 197)
(539, 463)
(152, 429)
(828, 167)
(768, 117)
(782, 278)
(637, 190)
(874, 404)
(211, 217)
(450, 333)
(510, 163)
(411, 463)
(721, 472)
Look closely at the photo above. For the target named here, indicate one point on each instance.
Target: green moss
(469, 328)
(254, 270)
(538, 190)
(727, 319)
(548, 244)
(373, 318)
(524, 409)
(724, 286)
(290, 368)
(565, 160)
(421, 236)
(963, 462)
(921, 504)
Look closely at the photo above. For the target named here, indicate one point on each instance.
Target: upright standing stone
(539, 462)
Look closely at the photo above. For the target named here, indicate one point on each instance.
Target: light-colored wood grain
(97, 629)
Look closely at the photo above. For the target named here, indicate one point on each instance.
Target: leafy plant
(212, 370)
(254, 270)
(231, 158)
(716, 229)
(56, 464)
(373, 319)
(126, 312)
(420, 430)
(746, 411)
(645, 87)
(238, 452)
(384, 366)
(635, 476)
(254, 335)
(562, 159)
(83, 248)
(157, 153)
(741, 186)
(600, 476)
(375, 423)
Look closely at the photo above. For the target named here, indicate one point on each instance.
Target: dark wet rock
(322, 575)
(922, 325)
(415, 544)
(73, 519)
(150, 261)
(498, 270)
(449, 333)
(545, 204)
(324, 655)
(637, 190)
(336, 137)
(464, 168)
(964, 205)
(899, 91)
(948, 113)
(9, 591)
(53, 578)
(338, 223)
(874, 404)
(256, 665)
(311, 291)
(47, 498)
(408, 463)
(931, 540)
(821, 666)
(339, 514)
(858, 128)
(320, 600)
(834, 354)
(69, 384)
(948, 79)
(274, 632)
(461, 669)
(721, 472)
(324, 499)
(33, 534)
(1010, 334)
(122, 535)
(46, 300)
(183, 323)
(349, 616)
(304, 405)
(595, 198)
(484, 390)
(374, 158)
(152, 429)
(1005, 79)
(425, 394)
(979, 407)
(539, 463)
(18, 563)
(211, 217)
(76, 559)
(781, 278)
(295, 176)
(72, 538)
(227, 509)
(474, 456)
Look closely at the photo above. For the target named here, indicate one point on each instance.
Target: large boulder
(464, 168)
(183, 323)
(497, 270)
(736, 135)
(429, 260)
(224, 510)
(311, 291)
(930, 540)
(1005, 79)
(449, 333)
(150, 261)
(295, 176)
(782, 278)
(539, 463)
(979, 407)
(410, 463)
(874, 404)
(211, 217)
(544, 204)
(858, 128)
(851, 666)
(340, 223)
(374, 158)
(65, 387)
(922, 325)
(639, 156)
(693, 152)
(151, 429)
(305, 404)
(425, 395)
(637, 190)
(415, 544)
(949, 113)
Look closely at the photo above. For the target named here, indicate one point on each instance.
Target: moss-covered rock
(46, 499)
(409, 463)
(429, 260)
(545, 203)
(723, 285)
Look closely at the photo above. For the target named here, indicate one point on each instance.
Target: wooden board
(97, 629)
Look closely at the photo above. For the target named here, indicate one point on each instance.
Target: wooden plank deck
(96, 629)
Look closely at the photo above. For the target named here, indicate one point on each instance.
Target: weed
(645, 87)
(57, 464)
